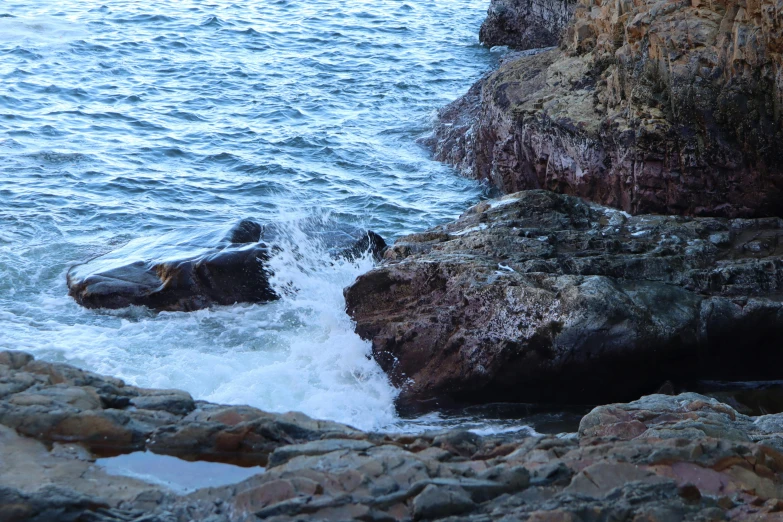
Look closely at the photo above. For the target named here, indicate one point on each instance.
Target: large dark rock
(652, 107)
(543, 297)
(233, 271)
(526, 24)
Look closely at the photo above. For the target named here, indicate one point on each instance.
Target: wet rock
(221, 277)
(525, 24)
(62, 404)
(370, 243)
(750, 398)
(651, 107)
(540, 297)
(697, 459)
(246, 231)
(232, 270)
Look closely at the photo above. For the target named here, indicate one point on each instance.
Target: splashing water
(133, 123)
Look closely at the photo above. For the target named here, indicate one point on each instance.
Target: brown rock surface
(649, 106)
(234, 270)
(543, 297)
(57, 403)
(525, 24)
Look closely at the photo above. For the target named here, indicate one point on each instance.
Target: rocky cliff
(650, 106)
(526, 24)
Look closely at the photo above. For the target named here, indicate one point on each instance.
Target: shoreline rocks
(685, 457)
(541, 297)
(650, 107)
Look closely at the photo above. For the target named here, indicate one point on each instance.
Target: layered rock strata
(652, 106)
(685, 457)
(543, 297)
(526, 24)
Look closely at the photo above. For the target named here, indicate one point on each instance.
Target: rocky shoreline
(638, 249)
(685, 457)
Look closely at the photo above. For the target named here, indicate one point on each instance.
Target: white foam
(296, 354)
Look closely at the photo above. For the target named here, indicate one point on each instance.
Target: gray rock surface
(543, 297)
(694, 459)
(57, 403)
(526, 24)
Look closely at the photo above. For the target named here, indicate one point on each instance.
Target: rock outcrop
(685, 457)
(654, 106)
(236, 270)
(526, 24)
(541, 297)
(57, 403)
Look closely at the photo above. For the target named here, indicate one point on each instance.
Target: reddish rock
(655, 106)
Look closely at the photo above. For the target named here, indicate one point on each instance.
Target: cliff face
(526, 24)
(651, 106)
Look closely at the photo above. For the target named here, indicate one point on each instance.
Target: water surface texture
(123, 121)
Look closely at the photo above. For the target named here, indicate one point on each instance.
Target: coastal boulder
(190, 274)
(654, 106)
(540, 297)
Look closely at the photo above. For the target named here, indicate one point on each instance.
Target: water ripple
(130, 121)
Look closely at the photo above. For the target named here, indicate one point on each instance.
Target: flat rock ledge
(661, 458)
(542, 297)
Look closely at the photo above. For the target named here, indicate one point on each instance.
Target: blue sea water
(123, 120)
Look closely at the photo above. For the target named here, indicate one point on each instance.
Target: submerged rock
(655, 106)
(236, 270)
(543, 297)
(525, 24)
(685, 457)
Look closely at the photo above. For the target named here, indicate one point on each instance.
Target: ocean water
(130, 121)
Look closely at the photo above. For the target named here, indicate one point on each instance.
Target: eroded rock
(525, 24)
(57, 403)
(655, 106)
(674, 470)
(543, 297)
